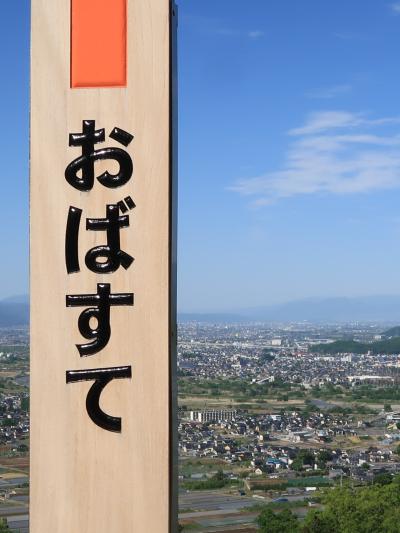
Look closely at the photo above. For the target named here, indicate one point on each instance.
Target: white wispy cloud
(334, 152)
(329, 92)
(327, 120)
(255, 34)
(230, 32)
(396, 8)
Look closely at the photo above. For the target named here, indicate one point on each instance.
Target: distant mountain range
(14, 311)
(359, 309)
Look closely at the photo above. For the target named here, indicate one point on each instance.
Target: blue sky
(289, 158)
(289, 151)
(14, 147)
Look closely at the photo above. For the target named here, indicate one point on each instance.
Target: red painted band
(98, 43)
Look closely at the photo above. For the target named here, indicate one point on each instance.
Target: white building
(374, 380)
(213, 415)
(276, 342)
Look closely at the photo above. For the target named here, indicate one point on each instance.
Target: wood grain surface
(85, 479)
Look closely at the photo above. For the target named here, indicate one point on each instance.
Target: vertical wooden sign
(103, 267)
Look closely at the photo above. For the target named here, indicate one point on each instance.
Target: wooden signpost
(103, 325)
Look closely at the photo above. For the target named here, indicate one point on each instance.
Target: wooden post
(103, 261)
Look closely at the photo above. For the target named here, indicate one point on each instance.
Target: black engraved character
(85, 163)
(100, 311)
(71, 239)
(102, 377)
(112, 252)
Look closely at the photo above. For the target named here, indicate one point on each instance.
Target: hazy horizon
(372, 308)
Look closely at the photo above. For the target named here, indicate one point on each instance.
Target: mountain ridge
(14, 311)
(379, 308)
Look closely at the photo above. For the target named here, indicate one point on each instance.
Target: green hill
(389, 346)
(392, 332)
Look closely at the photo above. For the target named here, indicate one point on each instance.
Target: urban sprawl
(275, 414)
(270, 415)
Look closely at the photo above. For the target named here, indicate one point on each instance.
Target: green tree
(25, 403)
(267, 356)
(375, 508)
(284, 521)
(4, 527)
(387, 407)
(219, 476)
(383, 479)
(323, 457)
(297, 464)
(304, 457)
(318, 522)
